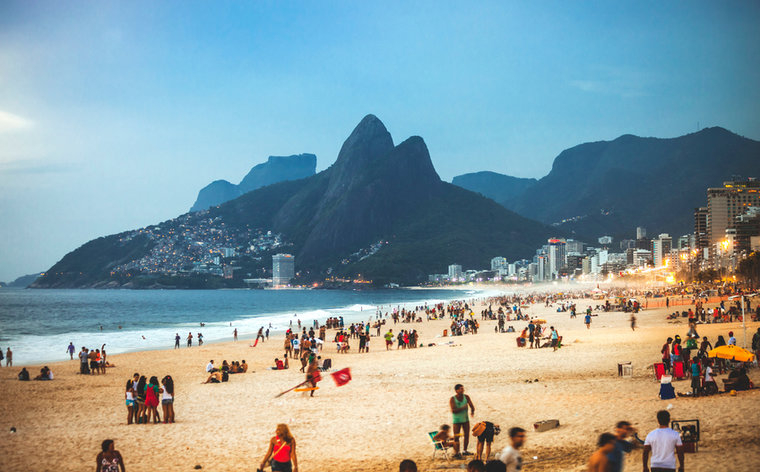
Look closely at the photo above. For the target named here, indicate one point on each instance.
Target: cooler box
(545, 425)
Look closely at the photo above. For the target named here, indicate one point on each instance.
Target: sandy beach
(383, 415)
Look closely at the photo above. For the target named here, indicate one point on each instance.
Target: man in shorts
(444, 435)
(388, 340)
(459, 404)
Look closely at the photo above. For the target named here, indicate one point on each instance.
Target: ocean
(39, 324)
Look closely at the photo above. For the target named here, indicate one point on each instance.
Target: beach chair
(326, 365)
(438, 446)
(678, 371)
(659, 370)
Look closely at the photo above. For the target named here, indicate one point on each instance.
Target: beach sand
(384, 414)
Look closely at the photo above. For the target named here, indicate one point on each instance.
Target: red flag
(342, 377)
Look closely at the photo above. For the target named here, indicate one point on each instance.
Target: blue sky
(113, 115)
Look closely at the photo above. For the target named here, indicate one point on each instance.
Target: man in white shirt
(511, 455)
(210, 367)
(731, 339)
(663, 443)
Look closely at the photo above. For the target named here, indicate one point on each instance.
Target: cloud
(26, 167)
(10, 122)
(623, 82)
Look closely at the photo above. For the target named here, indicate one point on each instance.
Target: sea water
(39, 324)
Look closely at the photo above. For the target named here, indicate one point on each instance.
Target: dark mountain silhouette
(498, 187)
(610, 187)
(380, 211)
(275, 169)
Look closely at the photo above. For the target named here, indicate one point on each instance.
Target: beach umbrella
(731, 352)
(539, 321)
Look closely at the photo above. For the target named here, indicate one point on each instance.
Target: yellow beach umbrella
(731, 352)
(539, 321)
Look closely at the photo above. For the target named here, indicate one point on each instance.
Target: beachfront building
(283, 269)
(725, 203)
(455, 273)
(557, 252)
(605, 240)
(661, 249)
(499, 264)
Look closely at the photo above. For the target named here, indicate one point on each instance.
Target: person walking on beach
(109, 460)
(554, 337)
(598, 462)
(176, 341)
(623, 446)
(234, 335)
(587, 318)
(282, 451)
(459, 404)
(71, 350)
(510, 455)
(189, 339)
(260, 334)
(663, 444)
(8, 357)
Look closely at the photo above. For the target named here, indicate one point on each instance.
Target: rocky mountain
(380, 212)
(498, 187)
(23, 281)
(610, 187)
(275, 169)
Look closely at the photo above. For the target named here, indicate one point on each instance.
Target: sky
(114, 114)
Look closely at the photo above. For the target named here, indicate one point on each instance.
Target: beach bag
(479, 428)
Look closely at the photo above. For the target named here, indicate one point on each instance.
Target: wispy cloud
(623, 82)
(10, 122)
(27, 167)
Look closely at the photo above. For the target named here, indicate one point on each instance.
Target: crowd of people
(92, 361)
(143, 395)
(222, 373)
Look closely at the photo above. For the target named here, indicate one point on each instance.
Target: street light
(744, 324)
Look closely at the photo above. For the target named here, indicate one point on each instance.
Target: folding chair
(438, 446)
(326, 365)
(659, 370)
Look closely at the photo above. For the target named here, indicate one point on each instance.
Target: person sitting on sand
(740, 377)
(599, 461)
(279, 365)
(210, 367)
(243, 367)
(45, 374)
(23, 375)
(214, 377)
(447, 440)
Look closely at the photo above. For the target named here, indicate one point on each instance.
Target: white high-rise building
(498, 263)
(283, 269)
(661, 248)
(455, 273)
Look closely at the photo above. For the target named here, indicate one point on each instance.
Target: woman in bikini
(109, 460)
(282, 451)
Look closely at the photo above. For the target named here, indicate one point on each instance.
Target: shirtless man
(288, 347)
(461, 420)
(312, 374)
